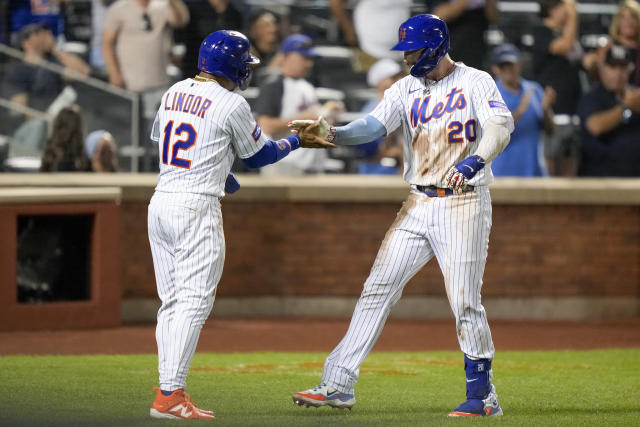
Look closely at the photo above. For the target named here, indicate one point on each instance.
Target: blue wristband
(295, 141)
(470, 166)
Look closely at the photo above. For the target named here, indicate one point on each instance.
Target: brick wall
(307, 249)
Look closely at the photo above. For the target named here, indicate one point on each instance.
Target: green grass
(564, 388)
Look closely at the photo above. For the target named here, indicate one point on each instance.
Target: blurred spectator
(610, 115)
(264, 35)
(49, 12)
(381, 76)
(384, 155)
(64, 151)
(206, 17)
(288, 96)
(136, 46)
(531, 109)
(556, 63)
(101, 150)
(374, 27)
(98, 16)
(624, 30)
(468, 20)
(137, 41)
(26, 83)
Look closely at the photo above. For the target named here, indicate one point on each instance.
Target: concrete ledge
(26, 195)
(355, 188)
(565, 308)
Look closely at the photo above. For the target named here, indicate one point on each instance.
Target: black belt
(433, 191)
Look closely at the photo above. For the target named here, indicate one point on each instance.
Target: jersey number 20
(182, 144)
(456, 129)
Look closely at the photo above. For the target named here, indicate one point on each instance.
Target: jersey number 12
(181, 144)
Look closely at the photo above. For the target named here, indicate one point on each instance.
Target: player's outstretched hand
(459, 176)
(313, 133)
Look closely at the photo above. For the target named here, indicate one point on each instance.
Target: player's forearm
(496, 134)
(359, 131)
(273, 151)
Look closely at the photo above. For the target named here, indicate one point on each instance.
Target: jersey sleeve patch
(498, 104)
(255, 134)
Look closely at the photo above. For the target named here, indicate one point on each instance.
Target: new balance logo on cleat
(178, 405)
(324, 395)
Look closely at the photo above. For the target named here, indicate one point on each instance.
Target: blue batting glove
(458, 176)
(470, 166)
(231, 185)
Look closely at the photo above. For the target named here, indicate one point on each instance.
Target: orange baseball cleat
(178, 405)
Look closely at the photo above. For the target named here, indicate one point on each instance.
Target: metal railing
(131, 96)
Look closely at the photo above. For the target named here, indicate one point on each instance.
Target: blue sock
(166, 393)
(477, 373)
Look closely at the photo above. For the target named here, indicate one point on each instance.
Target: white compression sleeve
(496, 133)
(360, 131)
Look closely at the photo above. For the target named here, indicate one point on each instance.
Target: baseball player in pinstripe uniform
(200, 127)
(454, 123)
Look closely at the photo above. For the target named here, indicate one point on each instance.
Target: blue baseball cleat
(482, 399)
(479, 407)
(324, 395)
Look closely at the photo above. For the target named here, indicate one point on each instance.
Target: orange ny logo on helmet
(403, 33)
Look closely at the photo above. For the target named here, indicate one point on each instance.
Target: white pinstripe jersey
(200, 128)
(441, 121)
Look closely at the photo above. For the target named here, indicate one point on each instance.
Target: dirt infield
(226, 335)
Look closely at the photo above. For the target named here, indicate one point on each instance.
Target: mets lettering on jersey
(441, 122)
(455, 101)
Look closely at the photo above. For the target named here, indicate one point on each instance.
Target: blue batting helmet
(424, 31)
(226, 53)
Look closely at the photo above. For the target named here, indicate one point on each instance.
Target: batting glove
(231, 185)
(459, 176)
(322, 130)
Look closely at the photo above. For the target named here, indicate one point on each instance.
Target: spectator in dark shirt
(467, 21)
(556, 63)
(64, 151)
(611, 120)
(28, 84)
(207, 16)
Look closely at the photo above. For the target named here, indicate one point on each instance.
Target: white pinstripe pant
(188, 248)
(455, 230)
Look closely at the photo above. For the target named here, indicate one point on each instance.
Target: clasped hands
(312, 133)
